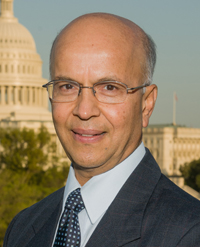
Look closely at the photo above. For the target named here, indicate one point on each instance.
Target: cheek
(59, 113)
(129, 118)
(117, 116)
(55, 112)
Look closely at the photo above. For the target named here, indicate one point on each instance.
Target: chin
(85, 165)
(88, 164)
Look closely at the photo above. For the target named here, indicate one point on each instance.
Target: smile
(87, 136)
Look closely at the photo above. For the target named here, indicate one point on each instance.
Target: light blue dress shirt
(99, 192)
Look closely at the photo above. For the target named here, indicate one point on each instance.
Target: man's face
(97, 136)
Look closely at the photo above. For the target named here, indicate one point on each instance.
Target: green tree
(29, 171)
(191, 173)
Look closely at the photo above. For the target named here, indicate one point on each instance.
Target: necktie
(68, 233)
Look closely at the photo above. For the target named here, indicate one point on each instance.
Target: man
(102, 97)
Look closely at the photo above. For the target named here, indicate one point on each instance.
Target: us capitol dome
(23, 101)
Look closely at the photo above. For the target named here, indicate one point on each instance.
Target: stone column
(3, 95)
(10, 100)
(20, 95)
(23, 95)
(34, 95)
(30, 96)
(16, 98)
(39, 97)
(45, 98)
(27, 96)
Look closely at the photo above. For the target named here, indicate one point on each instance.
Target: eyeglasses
(105, 91)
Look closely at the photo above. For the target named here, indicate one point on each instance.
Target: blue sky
(173, 24)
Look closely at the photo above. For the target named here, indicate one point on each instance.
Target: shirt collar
(99, 192)
(71, 185)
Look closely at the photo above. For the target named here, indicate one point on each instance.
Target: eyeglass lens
(106, 92)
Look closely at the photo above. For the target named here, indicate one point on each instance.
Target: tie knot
(75, 201)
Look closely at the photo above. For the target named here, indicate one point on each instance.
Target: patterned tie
(68, 233)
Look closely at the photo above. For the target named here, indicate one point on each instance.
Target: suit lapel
(41, 231)
(122, 222)
(46, 232)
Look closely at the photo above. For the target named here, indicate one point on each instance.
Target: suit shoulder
(29, 215)
(176, 199)
(25, 219)
(48, 202)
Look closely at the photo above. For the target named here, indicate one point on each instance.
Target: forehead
(103, 37)
(97, 31)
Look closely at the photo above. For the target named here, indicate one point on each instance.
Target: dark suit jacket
(149, 211)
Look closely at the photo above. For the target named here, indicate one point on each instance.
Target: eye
(110, 87)
(66, 86)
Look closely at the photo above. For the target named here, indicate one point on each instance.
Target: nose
(87, 105)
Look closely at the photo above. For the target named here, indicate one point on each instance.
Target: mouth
(87, 136)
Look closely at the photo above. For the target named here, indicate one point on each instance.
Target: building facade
(23, 101)
(173, 146)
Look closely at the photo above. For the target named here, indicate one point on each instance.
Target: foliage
(191, 173)
(29, 171)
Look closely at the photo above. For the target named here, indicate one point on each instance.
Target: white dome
(15, 35)
(19, 60)
(20, 70)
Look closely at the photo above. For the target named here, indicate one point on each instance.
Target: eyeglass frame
(94, 92)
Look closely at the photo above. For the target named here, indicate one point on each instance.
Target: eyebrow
(63, 78)
(114, 78)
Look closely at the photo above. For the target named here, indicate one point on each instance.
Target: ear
(148, 103)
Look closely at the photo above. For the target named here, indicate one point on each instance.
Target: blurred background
(32, 161)
(174, 26)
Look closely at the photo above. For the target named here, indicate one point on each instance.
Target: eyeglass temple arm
(47, 84)
(133, 88)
